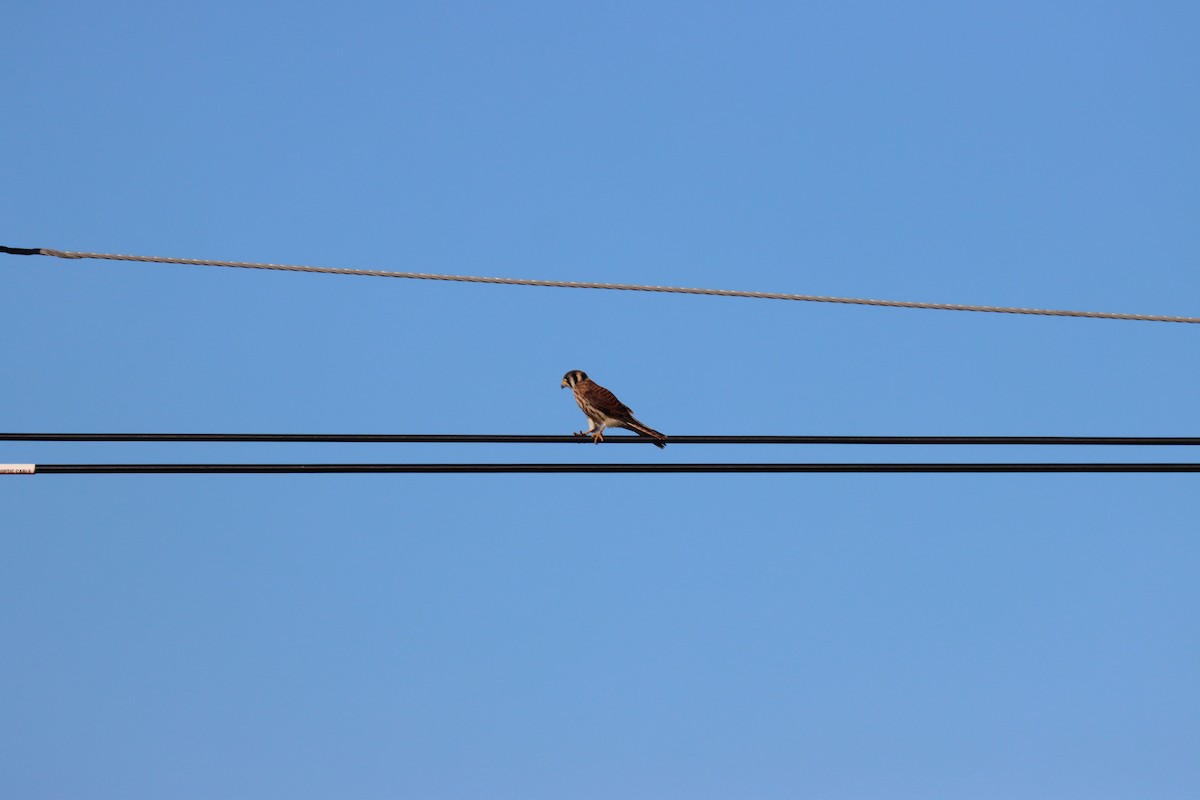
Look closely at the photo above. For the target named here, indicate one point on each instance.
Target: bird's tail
(660, 439)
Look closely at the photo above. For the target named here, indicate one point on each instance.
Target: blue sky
(855, 636)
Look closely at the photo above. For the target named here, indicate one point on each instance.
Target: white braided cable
(622, 287)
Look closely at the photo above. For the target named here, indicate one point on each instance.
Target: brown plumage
(604, 410)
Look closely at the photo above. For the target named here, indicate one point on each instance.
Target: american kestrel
(604, 410)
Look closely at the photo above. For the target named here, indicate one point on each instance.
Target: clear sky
(634, 636)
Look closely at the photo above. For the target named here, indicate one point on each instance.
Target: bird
(604, 410)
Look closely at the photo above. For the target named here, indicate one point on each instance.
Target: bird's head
(573, 377)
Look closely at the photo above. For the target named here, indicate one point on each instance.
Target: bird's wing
(604, 400)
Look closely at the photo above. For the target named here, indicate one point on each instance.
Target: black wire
(606, 468)
(441, 438)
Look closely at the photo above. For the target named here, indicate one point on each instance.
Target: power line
(211, 469)
(43, 251)
(479, 438)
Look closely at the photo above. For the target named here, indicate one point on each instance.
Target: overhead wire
(650, 467)
(483, 468)
(480, 438)
(66, 254)
(61, 469)
(602, 468)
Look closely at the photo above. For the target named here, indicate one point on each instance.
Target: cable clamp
(17, 469)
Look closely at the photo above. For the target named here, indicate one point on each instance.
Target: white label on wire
(17, 469)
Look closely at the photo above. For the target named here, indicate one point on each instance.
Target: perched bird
(604, 410)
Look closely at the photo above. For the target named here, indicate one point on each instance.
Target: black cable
(21, 251)
(443, 438)
(604, 468)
